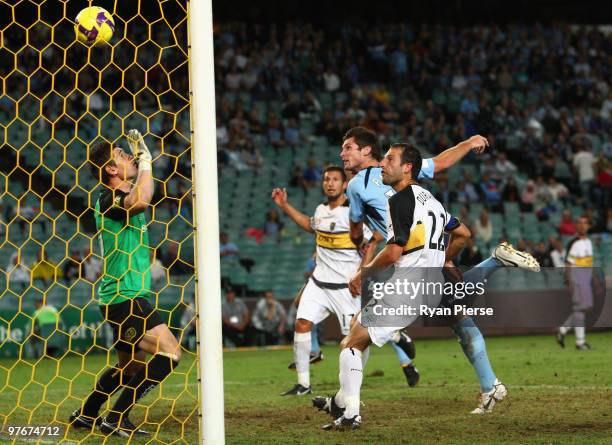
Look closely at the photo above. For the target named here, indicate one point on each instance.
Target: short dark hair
(363, 138)
(335, 168)
(100, 155)
(410, 155)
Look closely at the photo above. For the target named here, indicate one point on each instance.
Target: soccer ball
(94, 25)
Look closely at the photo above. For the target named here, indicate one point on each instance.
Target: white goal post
(205, 196)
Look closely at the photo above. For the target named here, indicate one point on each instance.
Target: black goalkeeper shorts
(130, 320)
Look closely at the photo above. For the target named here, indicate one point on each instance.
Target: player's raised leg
(504, 255)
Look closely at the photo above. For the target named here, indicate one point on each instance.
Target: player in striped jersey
(337, 259)
(579, 274)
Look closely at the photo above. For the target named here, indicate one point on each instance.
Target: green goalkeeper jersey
(124, 243)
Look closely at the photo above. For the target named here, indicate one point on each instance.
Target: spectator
(557, 254)
(72, 268)
(18, 273)
(236, 318)
(45, 270)
(46, 323)
(528, 197)
(297, 178)
(567, 226)
(332, 81)
(291, 134)
(543, 199)
(490, 190)
(483, 227)
(92, 266)
(228, 250)
(251, 155)
(584, 165)
(466, 193)
(470, 256)
(558, 191)
(222, 133)
(541, 254)
(504, 168)
(273, 225)
(510, 192)
(274, 132)
(312, 174)
(269, 319)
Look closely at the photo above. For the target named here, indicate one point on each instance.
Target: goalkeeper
(124, 290)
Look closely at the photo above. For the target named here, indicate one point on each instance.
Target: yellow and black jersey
(337, 257)
(417, 222)
(579, 252)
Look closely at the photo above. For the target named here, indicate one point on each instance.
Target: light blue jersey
(368, 195)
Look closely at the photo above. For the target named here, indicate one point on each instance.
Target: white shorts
(318, 303)
(380, 334)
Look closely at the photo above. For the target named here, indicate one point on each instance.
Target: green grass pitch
(556, 396)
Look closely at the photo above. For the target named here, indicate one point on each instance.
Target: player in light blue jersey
(368, 196)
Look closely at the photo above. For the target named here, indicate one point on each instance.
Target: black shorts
(130, 320)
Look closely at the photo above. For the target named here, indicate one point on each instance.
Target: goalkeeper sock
(301, 355)
(147, 378)
(106, 385)
(474, 348)
(351, 376)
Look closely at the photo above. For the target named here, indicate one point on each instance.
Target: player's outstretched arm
(279, 196)
(141, 194)
(451, 156)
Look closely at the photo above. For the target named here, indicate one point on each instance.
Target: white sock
(339, 399)
(351, 376)
(580, 335)
(301, 355)
(564, 330)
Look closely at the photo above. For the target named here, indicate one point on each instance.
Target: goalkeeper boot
(297, 390)
(114, 429)
(509, 256)
(489, 399)
(342, 423)
(78, 420)
(328, 404)
(412, 374)
(128, 426)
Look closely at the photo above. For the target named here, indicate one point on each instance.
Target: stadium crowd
(539, 93)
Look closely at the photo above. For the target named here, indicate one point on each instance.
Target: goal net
(58, 98)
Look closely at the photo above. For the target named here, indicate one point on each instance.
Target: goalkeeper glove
(139, 150)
